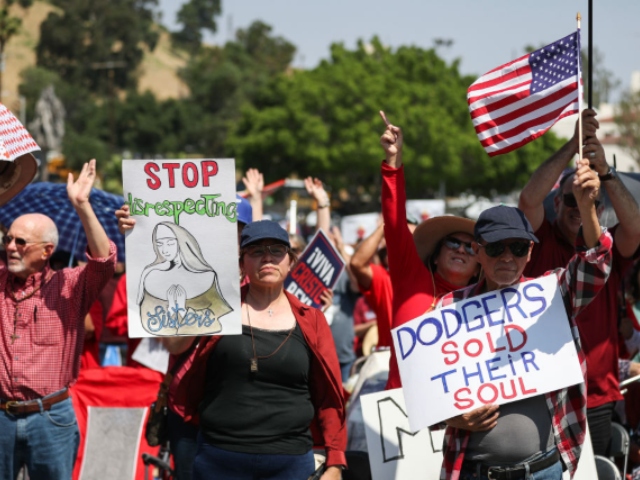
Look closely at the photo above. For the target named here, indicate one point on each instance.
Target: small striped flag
(516, 103)
(15, 141)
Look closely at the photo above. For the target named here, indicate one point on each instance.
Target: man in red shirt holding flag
(598, 324)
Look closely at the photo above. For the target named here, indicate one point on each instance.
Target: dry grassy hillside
(158, 71)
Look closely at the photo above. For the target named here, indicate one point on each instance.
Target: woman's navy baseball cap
(264, 229)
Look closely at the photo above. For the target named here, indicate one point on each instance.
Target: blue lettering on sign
(472, 303)
(161, 318)
(542, 300)
(516, 305)
(458, 321)
(492, 322)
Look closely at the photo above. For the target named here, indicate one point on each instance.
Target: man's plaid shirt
(579, 283)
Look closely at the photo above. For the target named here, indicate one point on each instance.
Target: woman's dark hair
(431, 261)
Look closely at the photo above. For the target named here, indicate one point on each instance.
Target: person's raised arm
(627, 235)
(361, 260)
(79, 192)
(336, 238)
(586, 189)
(546, 175)
(391, 142)
(254, 183)
(316, 190)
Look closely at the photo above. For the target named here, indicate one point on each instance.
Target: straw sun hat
(427, 235)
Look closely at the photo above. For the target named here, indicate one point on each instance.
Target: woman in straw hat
(437, 259)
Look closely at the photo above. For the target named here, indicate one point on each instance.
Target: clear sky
(486, 33)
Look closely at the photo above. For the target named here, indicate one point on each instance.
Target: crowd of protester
(291, 397)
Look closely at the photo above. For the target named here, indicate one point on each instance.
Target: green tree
(196, 16)
(97, 44)
(224, 80)
(325, 122)
(9, 26)
(628, 120)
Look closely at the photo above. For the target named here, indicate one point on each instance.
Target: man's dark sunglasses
(454, 244)
(495, 249)
(570, 201)
(20, 242)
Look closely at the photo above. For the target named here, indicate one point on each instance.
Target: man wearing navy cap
(540, 436)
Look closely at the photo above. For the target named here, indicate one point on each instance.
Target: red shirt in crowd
(117, 320)
(43, 325)
(598, 323)
(380, 297)
(415, 289)
(90, 357)
(362, 313)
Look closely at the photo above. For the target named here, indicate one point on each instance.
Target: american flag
(517, 102)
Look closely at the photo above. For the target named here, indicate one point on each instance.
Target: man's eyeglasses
(278, 250)
(519, 248)
(20, 242)
(570, 201)
(454, 244)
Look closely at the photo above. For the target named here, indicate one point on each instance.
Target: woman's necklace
(269, 309)
(254, 359)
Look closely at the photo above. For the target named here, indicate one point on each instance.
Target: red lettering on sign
(209, 169)
(193, 181)
(445, 351)
(153, 181)
(171, 168)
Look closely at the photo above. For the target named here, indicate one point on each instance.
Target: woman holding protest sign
(436, 260)
(257, 394)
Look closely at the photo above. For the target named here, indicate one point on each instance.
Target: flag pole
(578, 19)
(590, 55)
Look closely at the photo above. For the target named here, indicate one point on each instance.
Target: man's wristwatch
(609, 175)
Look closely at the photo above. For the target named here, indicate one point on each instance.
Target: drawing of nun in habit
(179, 292)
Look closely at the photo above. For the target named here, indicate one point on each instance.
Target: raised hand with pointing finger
(391, 141)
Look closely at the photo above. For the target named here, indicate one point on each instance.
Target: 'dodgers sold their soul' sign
(495, 348)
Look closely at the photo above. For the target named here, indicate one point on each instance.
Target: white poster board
(394, 451)
(495, 348)
(182, 255)
(396, 454)
(421, 210)
(358, 227)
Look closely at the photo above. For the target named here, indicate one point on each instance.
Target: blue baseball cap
(245, 212)
(261, 230)
(502, 222)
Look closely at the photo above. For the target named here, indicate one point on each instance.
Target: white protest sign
(498, 347)
(420, 210)
(358, 227)
(182, 255)
(152, 354)
(395, 452)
